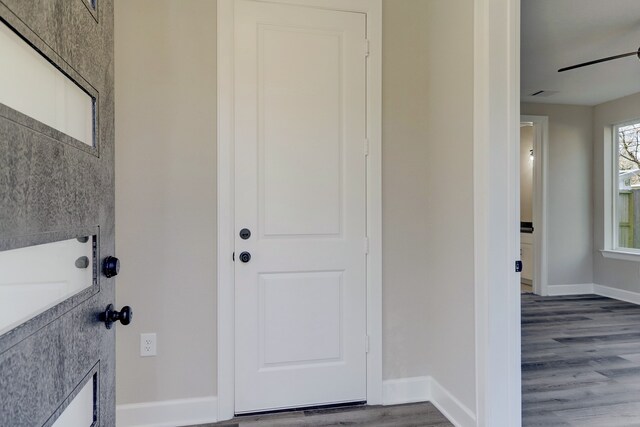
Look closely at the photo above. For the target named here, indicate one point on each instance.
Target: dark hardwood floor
(580, 361)
(412, 415)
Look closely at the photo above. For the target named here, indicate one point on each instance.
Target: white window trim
(225, 285)
(611, 248)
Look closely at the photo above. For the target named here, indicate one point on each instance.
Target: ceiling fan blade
(597, 61)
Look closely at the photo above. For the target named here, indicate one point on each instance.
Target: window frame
(612, 244)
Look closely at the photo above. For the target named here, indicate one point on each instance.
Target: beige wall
(570, 196)
(609, 272)
(165, 195)
(165, 111)
(427, 192)
(526, 174)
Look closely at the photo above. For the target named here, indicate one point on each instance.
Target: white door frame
(496, 211)
(540, 168)
(225, 176)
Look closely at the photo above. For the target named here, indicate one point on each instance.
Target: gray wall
(609, 272)
(165, 115)
(570, 195)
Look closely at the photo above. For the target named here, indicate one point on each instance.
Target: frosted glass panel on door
(80, 412)
(35, 278)
(30, 84)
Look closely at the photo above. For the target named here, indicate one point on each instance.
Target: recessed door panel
(300, 141)
(301, 315)
(300, 284)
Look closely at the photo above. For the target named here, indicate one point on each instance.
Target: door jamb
(496, 118)
(225, 186)
(540, 173)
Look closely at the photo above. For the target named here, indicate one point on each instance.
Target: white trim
(427, 389)
(225, 181)
(574, 289)
(168, 413)
(406, 390)
(615, 293)
(540, 192)
(225, 162)
(452, 408)
(496, 117)
(621, 254)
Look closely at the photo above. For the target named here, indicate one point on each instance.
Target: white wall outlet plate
(148, 345)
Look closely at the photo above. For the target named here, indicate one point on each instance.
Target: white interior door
(300, 189)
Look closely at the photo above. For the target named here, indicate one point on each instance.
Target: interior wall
(610, 272)
(165, 194)
(569, 192)
(526, 174)
(165, 72)
(428, 193)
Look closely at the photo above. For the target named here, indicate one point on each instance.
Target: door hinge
(366, 147)
(366, 343)
(366, 47)
(366, 245)
(233, 257)
(518, 266)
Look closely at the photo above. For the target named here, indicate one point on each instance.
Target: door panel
(300, 188)
(55, 187)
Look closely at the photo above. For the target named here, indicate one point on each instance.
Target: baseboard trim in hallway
(427, 389)
(185, 412)
(168, 413)
(565, 290)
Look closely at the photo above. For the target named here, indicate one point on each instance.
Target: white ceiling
(559, 33)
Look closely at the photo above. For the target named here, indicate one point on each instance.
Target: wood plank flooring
(412, 415)
(580, 361)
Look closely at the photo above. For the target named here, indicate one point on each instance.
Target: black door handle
(110, 316)
(111, 266)
(245, 257)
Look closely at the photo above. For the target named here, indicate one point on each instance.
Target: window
(627, 185)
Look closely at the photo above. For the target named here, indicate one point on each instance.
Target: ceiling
(559, 33)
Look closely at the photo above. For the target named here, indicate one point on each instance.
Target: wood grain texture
(414, 415)
(580, 361)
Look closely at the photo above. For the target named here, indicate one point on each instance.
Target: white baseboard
(183, 412)
(427, 389)
(168, 413)
(577, 289)
(615, 293)
(406, 390)
(451, 407)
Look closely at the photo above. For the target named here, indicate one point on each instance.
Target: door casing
(541, 154)
(225, 187)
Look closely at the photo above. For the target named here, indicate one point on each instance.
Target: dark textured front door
(56, 212)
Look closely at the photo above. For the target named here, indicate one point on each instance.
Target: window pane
(36, 278)
(628, 203)
(34, 87)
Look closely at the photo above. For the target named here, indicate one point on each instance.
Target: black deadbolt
(110, 316)
(245, 233)
(245, 257)
(111, 266)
